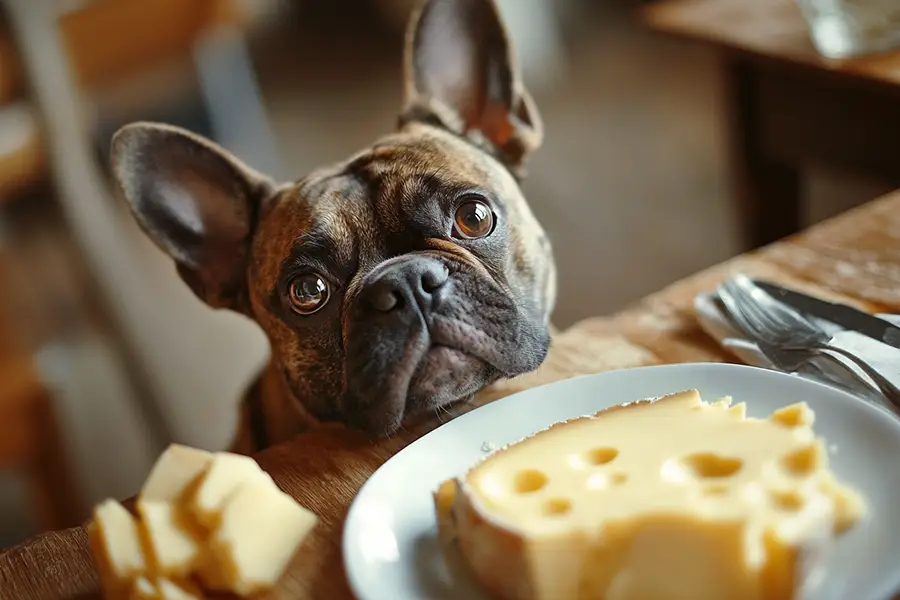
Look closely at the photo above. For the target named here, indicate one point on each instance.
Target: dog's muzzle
(389, 336)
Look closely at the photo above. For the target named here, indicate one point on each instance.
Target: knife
(840, 314)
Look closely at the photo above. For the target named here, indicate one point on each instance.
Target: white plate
(390, 544)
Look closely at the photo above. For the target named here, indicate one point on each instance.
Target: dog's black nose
(408, 281)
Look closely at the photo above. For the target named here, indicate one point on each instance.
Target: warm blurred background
(105, 355)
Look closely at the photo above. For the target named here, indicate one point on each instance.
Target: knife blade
(840, 314)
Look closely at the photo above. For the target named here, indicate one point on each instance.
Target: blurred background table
(788, 106)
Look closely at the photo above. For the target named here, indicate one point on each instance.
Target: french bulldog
(390, 285)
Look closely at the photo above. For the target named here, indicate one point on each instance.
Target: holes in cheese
(600, 456)
(672, 498)
(698, 466)
(790, 500)
(528, 481)
(205, 521)
(703, 465)
(618, 478)
(557, 506)
(804, 461)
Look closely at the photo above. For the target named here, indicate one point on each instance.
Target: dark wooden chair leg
(768, 191)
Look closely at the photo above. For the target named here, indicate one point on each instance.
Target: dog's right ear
(196, 201)
(461, 71)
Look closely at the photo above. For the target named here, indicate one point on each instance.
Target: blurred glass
(848, 28)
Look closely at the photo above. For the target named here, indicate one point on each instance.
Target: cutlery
(822, 366)
(845, 316)
(778, 328)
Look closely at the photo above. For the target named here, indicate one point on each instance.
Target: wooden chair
(51, 61)
(105, 41)
(30, 438)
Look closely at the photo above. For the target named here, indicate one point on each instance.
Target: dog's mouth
(434, 372)
(445, 375)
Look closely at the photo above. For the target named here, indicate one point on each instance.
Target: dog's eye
(473, 219)
(308, 293)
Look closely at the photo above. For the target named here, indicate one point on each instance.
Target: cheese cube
(260, 529)
(169, 590)
(170, 531)
(116, 546)
(175, 472)
(143, 589)
(670, 499)
(226, 473)
(217, 519)
(163, 589)
(173, 541)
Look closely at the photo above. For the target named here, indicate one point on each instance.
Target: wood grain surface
(770, 29)
(853, 258)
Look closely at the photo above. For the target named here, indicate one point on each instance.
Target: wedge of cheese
(211, 518)
(667, 499)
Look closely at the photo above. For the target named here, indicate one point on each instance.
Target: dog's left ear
(196, 201)
(461, 71)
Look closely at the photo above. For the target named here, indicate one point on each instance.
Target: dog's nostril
(434, 278)
(385, 299)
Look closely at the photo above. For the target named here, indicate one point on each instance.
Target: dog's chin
(442, 376)
(445, 376)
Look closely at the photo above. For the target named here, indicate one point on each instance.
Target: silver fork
(780, 328)
(822, 365)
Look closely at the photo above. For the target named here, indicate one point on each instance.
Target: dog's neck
(270, 413)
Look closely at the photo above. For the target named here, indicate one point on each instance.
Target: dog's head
(401, 280)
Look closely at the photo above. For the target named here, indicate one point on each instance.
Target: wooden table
(788, 106)
(854, 257)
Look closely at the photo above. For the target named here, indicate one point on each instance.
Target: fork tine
(735, 310)
(755, 295)
(748, 302)
(763, 327)
(780, 315)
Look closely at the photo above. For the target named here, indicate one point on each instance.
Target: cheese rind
(672, 499)
(254, 546)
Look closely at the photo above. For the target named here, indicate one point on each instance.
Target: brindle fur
(237, 238)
